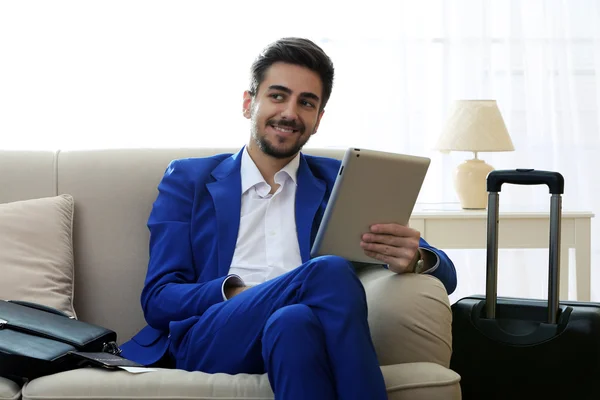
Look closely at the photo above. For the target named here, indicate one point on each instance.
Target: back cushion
(26, 175)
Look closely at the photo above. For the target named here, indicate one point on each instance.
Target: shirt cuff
(437, 261)
(231, 281)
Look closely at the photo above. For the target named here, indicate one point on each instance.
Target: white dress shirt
(267, 243)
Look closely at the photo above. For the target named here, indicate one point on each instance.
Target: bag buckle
(112, 348)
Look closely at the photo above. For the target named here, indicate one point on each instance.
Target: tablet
(371, 187)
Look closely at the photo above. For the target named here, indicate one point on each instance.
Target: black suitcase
(509, 348)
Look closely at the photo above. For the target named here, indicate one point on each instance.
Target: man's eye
(307, 104)
(277, 96)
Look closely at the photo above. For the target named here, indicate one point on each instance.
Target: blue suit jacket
(193, 232)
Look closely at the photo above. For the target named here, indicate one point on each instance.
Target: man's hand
(235, 290)
(392, 244)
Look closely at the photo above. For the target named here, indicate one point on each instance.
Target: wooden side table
(449, 227)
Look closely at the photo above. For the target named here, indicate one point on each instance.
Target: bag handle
(555, 183)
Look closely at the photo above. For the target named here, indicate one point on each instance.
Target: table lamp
(477, 126)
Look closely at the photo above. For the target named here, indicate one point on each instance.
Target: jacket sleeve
(444, 268)
(171, 292)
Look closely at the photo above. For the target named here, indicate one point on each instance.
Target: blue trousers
(307, 329)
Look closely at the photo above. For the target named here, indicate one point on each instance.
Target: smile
(284, 130)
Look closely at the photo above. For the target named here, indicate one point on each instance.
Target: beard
(272, 149)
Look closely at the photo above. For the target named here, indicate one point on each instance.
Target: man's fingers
(381, 249)
(394, 230)
(390, 251)
(394, 264)
(389, 240)
(392, 244)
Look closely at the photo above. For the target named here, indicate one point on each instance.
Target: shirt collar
(251, 176)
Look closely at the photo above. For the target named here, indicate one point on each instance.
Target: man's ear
(319, 120)
(247, 104)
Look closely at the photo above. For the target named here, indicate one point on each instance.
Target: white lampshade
(477, 126)
(474, 125)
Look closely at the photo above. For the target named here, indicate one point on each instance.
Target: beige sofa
(113, 191)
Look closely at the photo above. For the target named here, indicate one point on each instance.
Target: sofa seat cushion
(9, 390)
(415, 381)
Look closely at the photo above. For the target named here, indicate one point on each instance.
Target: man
(230, 285)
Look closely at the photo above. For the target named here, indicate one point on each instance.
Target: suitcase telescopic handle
(555, 183)
(553, 180)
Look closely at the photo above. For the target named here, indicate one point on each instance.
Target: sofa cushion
(415, 381)
(36, 251)
(27, 175)
(9, 390)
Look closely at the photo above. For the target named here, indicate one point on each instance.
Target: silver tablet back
(371, 187)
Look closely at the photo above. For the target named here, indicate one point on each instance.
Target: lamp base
(470, 183)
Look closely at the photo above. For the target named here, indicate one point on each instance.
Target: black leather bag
(36, 340)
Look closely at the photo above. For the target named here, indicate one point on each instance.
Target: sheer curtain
(105, 74)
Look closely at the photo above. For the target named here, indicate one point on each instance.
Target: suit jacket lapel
(226, 192)
(309, 196)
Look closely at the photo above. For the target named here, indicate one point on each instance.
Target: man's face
(284, 114)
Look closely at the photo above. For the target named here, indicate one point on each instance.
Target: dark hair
(296, 51)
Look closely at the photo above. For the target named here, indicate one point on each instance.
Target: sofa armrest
(409, 316)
